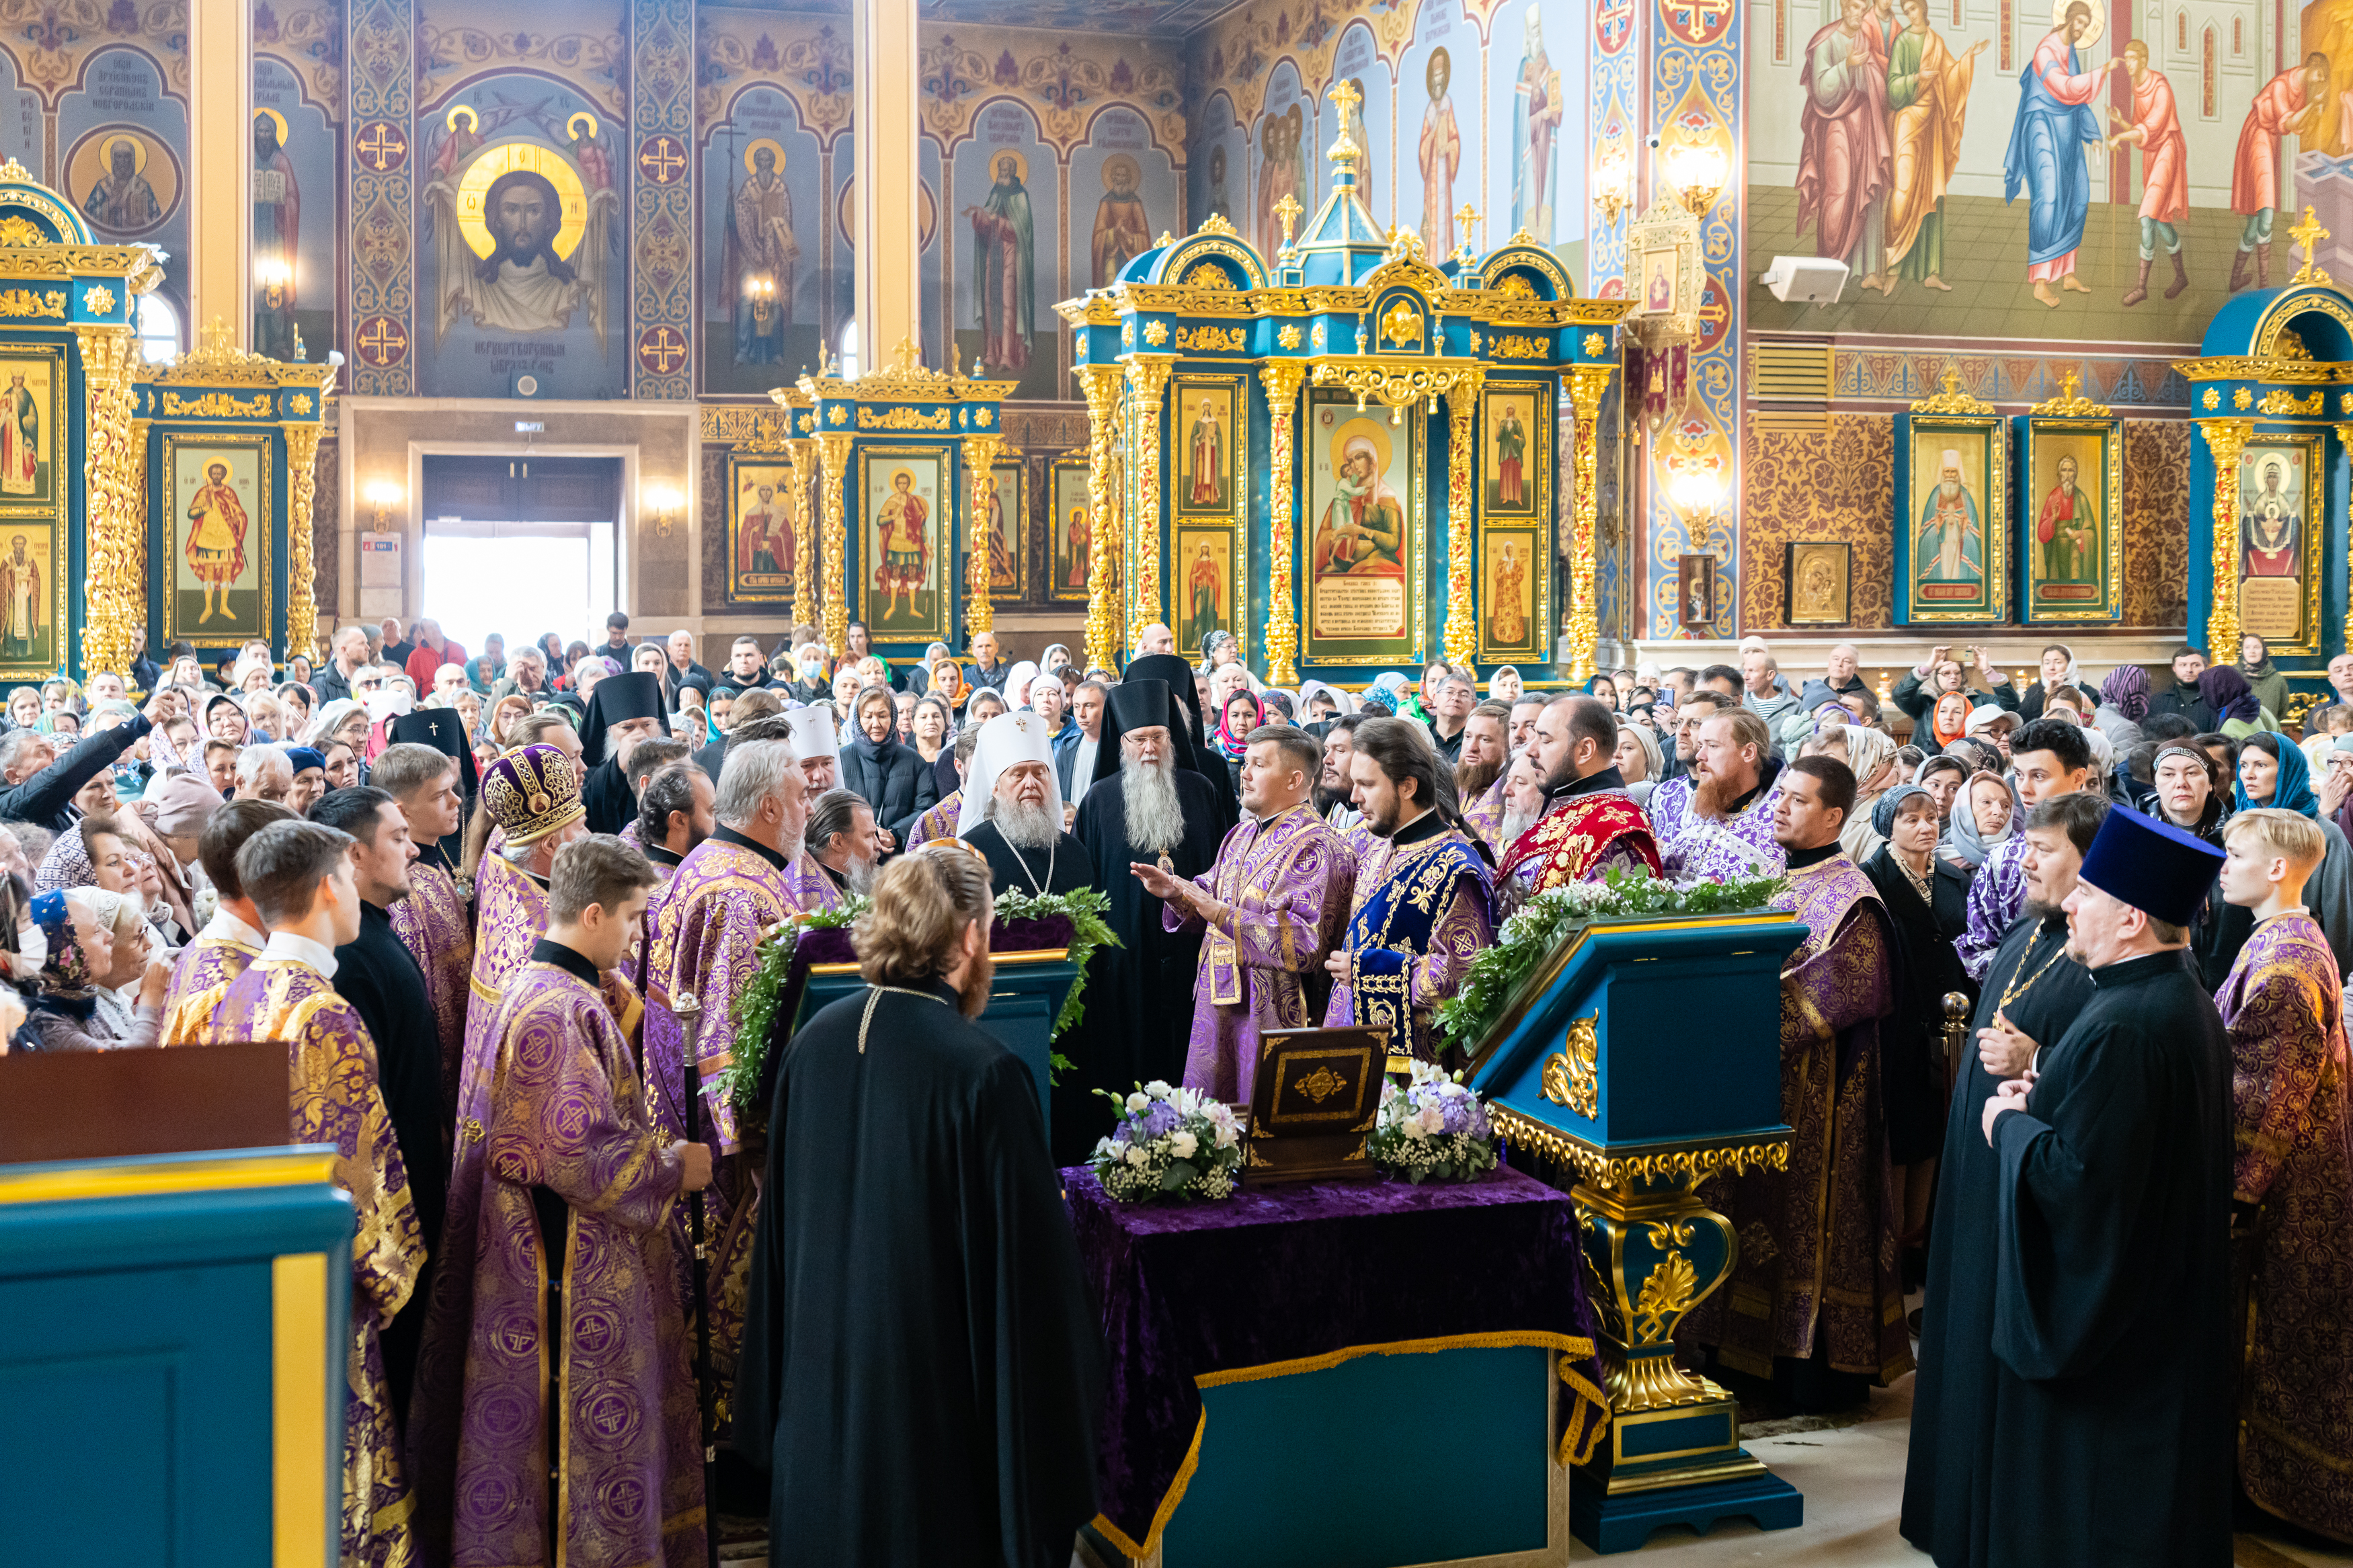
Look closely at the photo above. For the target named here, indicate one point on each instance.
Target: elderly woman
(225, 721)
(265, 719)
(25, 706)
(136, 950)
(929, 728)
(343, 720)
(504, 713)
(1926, 902)
(1983, 817)
(887, 774)
(80, 954)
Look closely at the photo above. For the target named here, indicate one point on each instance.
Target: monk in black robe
(1178, 674)
(2032, 992)
(2112, 1414)
(921, 1367)
(1151, 801)
(623, 710)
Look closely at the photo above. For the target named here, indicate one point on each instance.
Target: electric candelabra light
(383, 495)
(665, 502)
(1695, 172)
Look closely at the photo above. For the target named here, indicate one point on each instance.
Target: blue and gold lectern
(173, 1334)
(1642, 1057)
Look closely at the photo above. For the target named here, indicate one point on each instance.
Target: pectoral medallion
(1167, 865)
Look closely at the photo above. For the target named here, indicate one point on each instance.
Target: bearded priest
(1165, 812)
(1012, 811)
(1815, 1303)
(1590, 826)
(1728, 828)
(708, 922)
(1424, 905)
(623, 710)
(1271, 910)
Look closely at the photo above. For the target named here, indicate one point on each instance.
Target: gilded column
(2224, 439)
(1587, 383)
(1462, 522)
(980, 612)
(833, 570)
(2344, 440)
(1147, 379)
(800, 515)
(1100, 383)
(115, 592)
(301, 570)
(1281, 380)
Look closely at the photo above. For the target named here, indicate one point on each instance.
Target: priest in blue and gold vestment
(1422, 907)
(301, 880)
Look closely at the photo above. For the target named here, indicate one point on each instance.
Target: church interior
(1562, 339)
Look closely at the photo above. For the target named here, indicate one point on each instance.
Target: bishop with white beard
(1012, 811)
(1139, 997)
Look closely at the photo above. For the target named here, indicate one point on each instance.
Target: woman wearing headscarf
(2238, 713)
(343, 720)
(1017, 681)
(1927, 900)
(1870, 755)
(1505, 685)
(1388, 688)
(1949, 719)
(2272, 772)
(81, 950)
(1640, 758)
(225, 721)
(1240, 714)
(134, 947)
(2057, 669)
(1985, 813)
(2124, 703)
(2264, 679)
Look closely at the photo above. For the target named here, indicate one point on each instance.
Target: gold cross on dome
(2308, 237)
(1287, 211)
(1469, 219)
(1343, 93)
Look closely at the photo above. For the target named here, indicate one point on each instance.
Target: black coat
(46, 799)
(892, 778)
(607, 796)
(913, 1254)
(1927, 968)
(2185, 701)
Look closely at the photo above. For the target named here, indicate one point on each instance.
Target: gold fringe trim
(1569, 1345)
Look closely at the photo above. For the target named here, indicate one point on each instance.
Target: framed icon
(1820, 583)
(1072, 533)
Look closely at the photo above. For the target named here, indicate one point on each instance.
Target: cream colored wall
(389, 437)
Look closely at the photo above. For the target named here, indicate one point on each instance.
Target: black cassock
(1064, 868)
(1927, 968)
(2111, 1434)
(605, 797)
(1139, 998)
(1952, 1467)
(921, 1366)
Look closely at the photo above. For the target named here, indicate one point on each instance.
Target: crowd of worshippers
(474, 895)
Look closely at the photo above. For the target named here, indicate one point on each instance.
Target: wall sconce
(1695, 171)
(665, 502)
(760, 292)
(1694, 484)
(274, 277)
(1613, 180)
(383, 495)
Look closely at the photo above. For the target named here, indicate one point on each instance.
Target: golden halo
(274, 117)
(1373, 430)
(572, 126)
(138, 152)
(1117, 162)
(2099, 20)
(474, 189)
(771, 144)
(1020, 164)
(473, 121)
(906, 474)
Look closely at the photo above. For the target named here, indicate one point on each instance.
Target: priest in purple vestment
(1272, 909)
(532, 794)
(301, 880)
(435, 921)
(557, 1418)
(707, 921)
(1815, 1303)
(233, 938)
(1726, 830)
(2283, 1006)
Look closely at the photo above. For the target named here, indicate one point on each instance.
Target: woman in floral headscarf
(1240, 714)
(80, 945)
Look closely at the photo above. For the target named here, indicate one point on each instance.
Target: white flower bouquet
(1433, 1127)
(1169, 1141)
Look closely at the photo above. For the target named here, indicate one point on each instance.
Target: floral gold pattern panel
(2156, 523)
(1828, 484)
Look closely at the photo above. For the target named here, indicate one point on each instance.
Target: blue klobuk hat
(2153, 866)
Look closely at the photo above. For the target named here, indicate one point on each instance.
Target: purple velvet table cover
(1193, 1294)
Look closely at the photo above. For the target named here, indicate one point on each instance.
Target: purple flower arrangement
(1170, 1142)
(1432, 1129)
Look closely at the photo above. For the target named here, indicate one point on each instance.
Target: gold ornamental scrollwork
(301, 568)
(1518, 345)
(1587, 383)
(980, 610)
(1596, 1167)
(50, 304)
(1572, 1077)
(2225, 440)
(1147, 379)
(1400, 325)
(2067, 405)
(1282, 381)
(113, 534)
(1100, 383)
(1461, 521)
(1666, 1295)
(2281, 403)
(1211, 339)
(833, 570)
(902, 419)
(1396, 387)
(218, 405)
(1952, 400)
